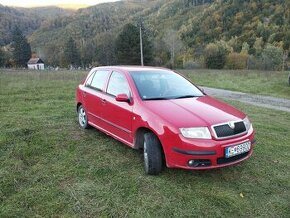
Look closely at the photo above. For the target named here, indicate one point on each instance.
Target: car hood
(194, 112)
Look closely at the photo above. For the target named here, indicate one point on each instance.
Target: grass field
(271, 83)
(51, 167)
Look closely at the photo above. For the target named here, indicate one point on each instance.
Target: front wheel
(152, 154)
(82, 117)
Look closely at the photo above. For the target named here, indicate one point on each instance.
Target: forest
(217, 34)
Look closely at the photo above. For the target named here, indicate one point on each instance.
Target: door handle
(84, 94)
(104, 101)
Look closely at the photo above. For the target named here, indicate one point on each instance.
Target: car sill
(113, 135)
(112, 124)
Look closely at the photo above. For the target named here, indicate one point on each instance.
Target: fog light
(199, 163)
(191, 162)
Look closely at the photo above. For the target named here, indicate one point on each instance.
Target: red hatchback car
(164, 114)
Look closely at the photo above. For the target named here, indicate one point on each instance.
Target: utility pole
(141, 40)
(141, 44)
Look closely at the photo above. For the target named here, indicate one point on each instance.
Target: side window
(99, 80)
(89, 80)
(118, 85)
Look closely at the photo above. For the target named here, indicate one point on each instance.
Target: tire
(82, 118)
(152, 154)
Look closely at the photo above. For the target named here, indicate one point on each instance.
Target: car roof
(131, 68)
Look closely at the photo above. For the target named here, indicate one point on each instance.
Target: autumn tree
(258, 46)
(236, 61)
(52, 54)
(21, 51)
(87, 52)
(245, 48)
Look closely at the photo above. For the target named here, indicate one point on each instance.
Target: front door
(118, 115)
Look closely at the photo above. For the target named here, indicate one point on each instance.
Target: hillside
(27, 19)
(93, 26)
(85, 24)
(246, 20)
(90, 28)
(248, 26)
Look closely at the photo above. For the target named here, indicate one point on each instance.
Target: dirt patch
(258, 100)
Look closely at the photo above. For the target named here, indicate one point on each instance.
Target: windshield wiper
(157, 98)
(186, 96)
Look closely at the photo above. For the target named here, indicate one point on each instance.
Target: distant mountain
(27, 19)
(88, 27)
(72, 6)
(196, 23)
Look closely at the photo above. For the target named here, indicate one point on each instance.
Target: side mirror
(122, 98)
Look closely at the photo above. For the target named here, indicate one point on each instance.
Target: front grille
(224, 160)
(225, 131)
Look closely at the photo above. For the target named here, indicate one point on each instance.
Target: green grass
(51, 167)
(271, 83)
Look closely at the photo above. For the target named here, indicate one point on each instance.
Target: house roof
(35, 61)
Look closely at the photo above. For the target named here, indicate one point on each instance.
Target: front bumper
(205, 154)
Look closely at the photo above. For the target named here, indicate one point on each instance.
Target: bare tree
(173, 43)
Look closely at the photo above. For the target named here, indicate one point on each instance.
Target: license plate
(237, 149)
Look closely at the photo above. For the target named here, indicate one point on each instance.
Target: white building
(35, 64)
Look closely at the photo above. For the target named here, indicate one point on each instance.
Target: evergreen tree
(2, 57)
(147, 46)
(105, 53)
(71, 55)
(21, 51)
(128, 46)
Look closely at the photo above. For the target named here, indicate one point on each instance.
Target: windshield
(162, 85)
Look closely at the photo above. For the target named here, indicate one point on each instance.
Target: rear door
(93, 94)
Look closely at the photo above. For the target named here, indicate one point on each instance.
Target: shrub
(215, 56)
(255, 63)
(191, 65)
(236, 61)
(272, 57)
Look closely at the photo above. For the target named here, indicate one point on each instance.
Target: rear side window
(99, 80)
(89, 80)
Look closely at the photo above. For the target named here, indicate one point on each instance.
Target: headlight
(196, 133)
(247, 123)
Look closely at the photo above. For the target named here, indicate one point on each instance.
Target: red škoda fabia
(165, 115)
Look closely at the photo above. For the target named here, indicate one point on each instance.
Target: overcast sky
(35, 3)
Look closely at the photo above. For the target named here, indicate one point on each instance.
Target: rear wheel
(152, 154)
(82, 117)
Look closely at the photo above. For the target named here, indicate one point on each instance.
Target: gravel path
(262, 101)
